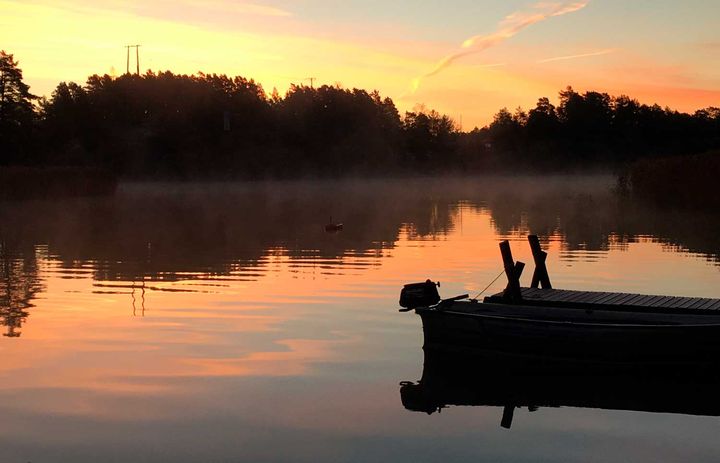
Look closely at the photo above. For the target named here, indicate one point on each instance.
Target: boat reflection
(493, 379)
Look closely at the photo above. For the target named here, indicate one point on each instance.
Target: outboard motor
(419, 295)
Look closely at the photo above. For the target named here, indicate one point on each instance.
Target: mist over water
(221, 322)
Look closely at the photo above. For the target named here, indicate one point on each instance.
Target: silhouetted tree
(333, 129)
(430, 138)
(506, 132)
(542, 121)
(586, 122)
(65, 123)
(16, 112)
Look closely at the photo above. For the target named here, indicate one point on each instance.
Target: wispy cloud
(508, 27)
(246, 8)
(581, 55)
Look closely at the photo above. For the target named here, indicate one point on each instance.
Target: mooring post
(513, 270)
(507, 417)
(540, 275)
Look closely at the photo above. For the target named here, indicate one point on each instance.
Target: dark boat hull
(624, 337)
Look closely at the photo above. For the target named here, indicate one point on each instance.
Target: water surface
(221, 322)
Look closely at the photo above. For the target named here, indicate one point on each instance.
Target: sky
(463, 58)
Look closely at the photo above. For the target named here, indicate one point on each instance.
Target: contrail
(508, 27)
(583, 55)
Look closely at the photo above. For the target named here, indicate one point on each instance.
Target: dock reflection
(493, 379)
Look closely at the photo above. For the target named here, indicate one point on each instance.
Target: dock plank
(659, 300)
(606, 297)
(653, 300)
(669, 303)
(612, 301)
(562, 295)
(633, 299)
(715, 305)
(579, 296)
(596, 297)
(644, 300)
(687, 302)
(620, 299)
(639, 299)
(662, 300)
(529, 292)
(698, 302)
(707, 304)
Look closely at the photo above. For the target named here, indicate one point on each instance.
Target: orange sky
(659, 51)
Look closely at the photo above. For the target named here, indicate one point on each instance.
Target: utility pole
(312, 81)
(137, 58)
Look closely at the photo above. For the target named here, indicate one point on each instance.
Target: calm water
(222, 323)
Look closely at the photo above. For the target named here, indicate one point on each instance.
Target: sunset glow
(502, 53)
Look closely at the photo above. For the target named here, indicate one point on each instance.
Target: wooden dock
(609, 327)
(596, 300)
(542, 294)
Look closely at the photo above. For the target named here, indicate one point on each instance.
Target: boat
(535, 381)
(609, 326)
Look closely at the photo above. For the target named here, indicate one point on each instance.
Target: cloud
(582, 55)
(508, 27)
(244, 8)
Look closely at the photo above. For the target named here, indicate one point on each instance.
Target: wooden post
(513, 270)
(507, 417)
(540, 275)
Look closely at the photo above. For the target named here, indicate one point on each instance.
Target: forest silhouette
(165, 125)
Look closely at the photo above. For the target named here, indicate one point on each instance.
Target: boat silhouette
(609, 326)
(509, 381)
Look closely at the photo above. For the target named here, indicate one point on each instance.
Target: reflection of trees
(166, 232)
(582, 220)
(594, 218)
(175, 232)
(19, 283)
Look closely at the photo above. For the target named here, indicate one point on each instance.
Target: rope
(488, 286)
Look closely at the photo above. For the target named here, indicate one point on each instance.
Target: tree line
(181, 126)
(594, 129)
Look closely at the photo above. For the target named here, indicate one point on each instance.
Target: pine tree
(16, 110)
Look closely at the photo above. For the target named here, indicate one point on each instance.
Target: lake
(222, 323)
